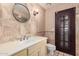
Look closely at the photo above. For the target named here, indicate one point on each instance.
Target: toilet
(51, 48)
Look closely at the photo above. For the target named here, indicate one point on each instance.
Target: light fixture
(35, 12)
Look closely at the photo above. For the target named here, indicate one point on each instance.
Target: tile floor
(58, 53)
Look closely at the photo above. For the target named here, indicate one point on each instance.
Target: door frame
(74, 8)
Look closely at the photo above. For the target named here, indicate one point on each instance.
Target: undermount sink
(11, 47)
(27, 39)
(23, 40)
(17, 43)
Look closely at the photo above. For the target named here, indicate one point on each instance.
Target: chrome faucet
(24, 38)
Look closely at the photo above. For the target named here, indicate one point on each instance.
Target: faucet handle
(24, 37)
(20, 39)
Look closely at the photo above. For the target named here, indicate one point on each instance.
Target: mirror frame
(15, 15)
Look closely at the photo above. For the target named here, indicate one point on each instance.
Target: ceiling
(46, 5)
(50, 5)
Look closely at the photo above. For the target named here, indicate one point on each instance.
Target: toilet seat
(51, 47)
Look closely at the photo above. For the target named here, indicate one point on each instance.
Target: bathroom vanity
(34, 46)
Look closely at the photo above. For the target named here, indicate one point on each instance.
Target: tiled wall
(10, 29)
(77, 35)
(51, 36)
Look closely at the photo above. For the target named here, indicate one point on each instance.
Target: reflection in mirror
(21, 12)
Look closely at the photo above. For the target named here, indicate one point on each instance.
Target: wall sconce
(35, 12)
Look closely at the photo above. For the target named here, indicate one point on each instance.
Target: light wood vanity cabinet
(38, 49)
(21, 53)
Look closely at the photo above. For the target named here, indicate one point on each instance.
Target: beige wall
(10, 29)
(50, 22)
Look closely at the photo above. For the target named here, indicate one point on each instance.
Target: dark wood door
(65, 31)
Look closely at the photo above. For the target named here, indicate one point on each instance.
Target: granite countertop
(11, 47)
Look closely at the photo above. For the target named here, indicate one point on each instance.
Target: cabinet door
(43, 50)
(38, 49)
(35, 53)
(21, 53)
(65, 31)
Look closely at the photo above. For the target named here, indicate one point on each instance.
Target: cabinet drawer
(21, 53)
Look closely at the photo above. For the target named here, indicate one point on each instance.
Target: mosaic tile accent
(58, 53)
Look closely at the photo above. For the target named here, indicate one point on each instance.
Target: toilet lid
(50, 45)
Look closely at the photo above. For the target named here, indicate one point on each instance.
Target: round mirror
(21, 12)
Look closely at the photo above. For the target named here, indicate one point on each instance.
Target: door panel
(65, 30)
